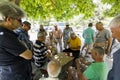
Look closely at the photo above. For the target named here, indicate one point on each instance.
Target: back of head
(115, 22)
(99, 50)
(53, 68)
(9, 9)
(90, 25)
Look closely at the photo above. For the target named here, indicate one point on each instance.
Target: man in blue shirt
(114, 73)
(89, 36)
(23, 36)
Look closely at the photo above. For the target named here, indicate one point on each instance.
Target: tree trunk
(17, 2)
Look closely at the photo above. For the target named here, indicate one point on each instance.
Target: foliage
(59, 9)
(114, 10)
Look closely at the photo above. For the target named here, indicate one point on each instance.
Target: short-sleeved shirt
(88, 35)
(66, 33)
(102, 36)
(10, 48)
(96, 71)
(74, 43)
(39, 53)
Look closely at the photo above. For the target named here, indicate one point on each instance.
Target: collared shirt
(23, 36)
(74, 42)
(57, 34)
(39, 53)
(66, 33)
(10, 48)
(88, 35)
(114, 73)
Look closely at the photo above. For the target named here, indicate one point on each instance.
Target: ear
(8, 19)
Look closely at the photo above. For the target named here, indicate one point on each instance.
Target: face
(27, 28)
(98, 27)
(14, 23)
(73, 36)
(116, 32)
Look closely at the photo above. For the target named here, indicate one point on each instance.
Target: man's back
(88, 35)
(96, 71)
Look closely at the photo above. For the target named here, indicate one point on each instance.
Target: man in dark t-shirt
(14, 56)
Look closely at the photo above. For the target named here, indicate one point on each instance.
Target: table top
(63, 58)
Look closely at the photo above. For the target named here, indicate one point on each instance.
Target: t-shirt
(102, 36)
(74, 43)
(10, 48)
(39, 52)
(88, 35)
(66, 33)
(96, 71)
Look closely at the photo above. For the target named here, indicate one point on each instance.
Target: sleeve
(89, 73)
(107, 35)
(12, 45)
(26, 40)
(79, 42)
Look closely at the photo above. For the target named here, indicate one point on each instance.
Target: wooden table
(64, 60)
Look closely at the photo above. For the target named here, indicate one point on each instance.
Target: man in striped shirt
(40, 55)
(40, 51)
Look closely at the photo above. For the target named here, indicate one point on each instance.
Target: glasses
(19, 20)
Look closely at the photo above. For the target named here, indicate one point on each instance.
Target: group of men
(15, 56)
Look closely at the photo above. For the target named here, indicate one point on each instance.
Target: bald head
(53, 68)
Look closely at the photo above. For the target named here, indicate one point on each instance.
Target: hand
(77, 63)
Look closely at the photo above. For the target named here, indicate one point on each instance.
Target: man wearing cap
(14, 57)
(22, 33)
(66, 35)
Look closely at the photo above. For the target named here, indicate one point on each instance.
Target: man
(115, 29)
(95, 71)
(40, 55)
(57, 33)
(14, 57)
(66, 35)
(103, 38)
(54, 69)
(42, 30)
(74, 45)
(22, 33)
(89, 36)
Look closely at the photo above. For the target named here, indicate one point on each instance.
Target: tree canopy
(65, 9)
(114, 10)
(59, 9)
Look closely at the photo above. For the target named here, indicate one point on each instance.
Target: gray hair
(40, 34)
(10, 9)
(99, 50)
(57, 65)
(115, 22)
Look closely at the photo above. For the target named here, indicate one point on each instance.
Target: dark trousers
(75, 53)
(15, 72)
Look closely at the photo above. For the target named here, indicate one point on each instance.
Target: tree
(59, 9)
(114, 10)
(17, 2)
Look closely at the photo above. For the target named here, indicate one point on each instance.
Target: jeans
(15, 72)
